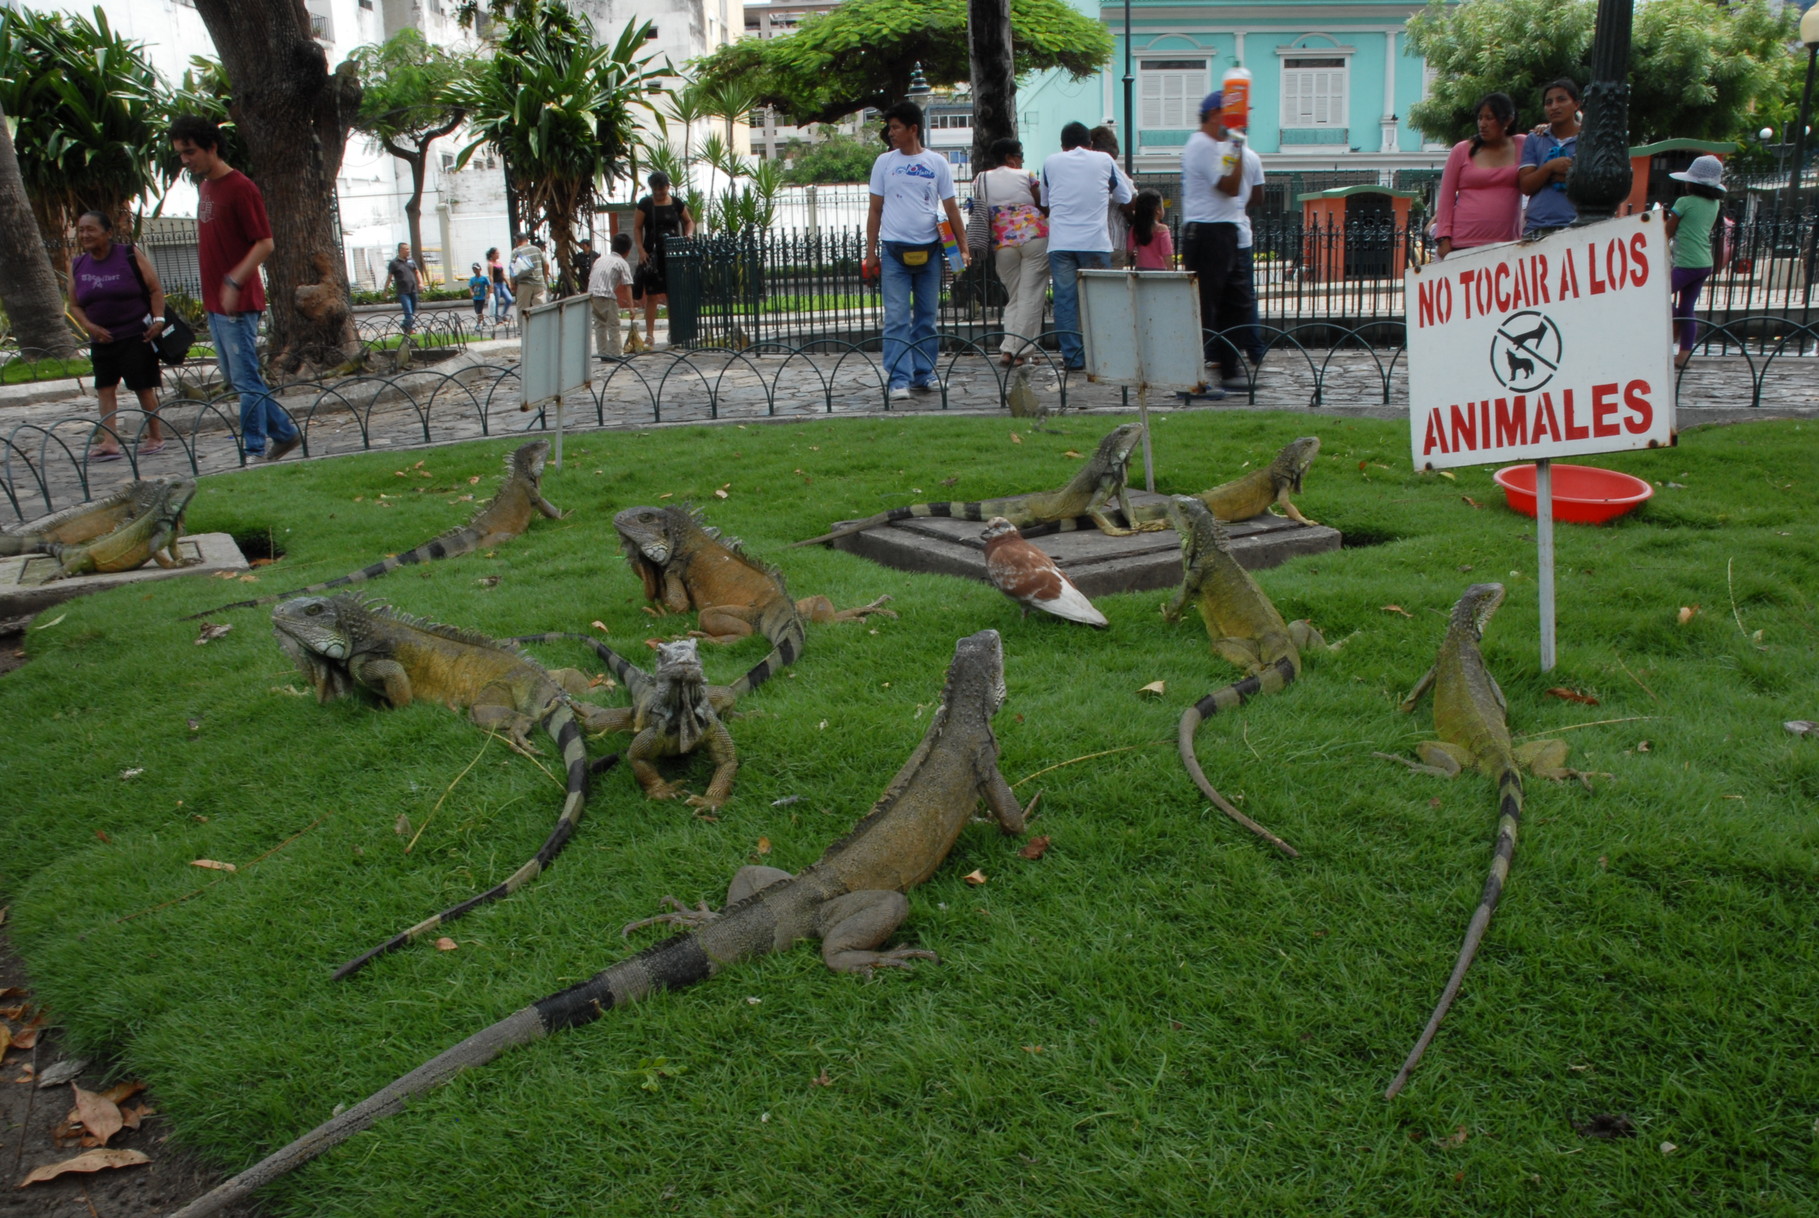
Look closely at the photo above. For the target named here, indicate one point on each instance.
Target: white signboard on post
(553, 355)
(1142, 329)
(1552, 348)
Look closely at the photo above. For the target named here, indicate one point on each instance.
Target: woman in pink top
(1150, 240)
(1479, 201)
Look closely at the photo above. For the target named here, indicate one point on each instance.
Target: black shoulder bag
(175, 340)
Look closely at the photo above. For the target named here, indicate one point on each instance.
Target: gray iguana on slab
(685, 566)
(851, 900)
(85, 521)
(1470, 717)
(342, 644)
(1245, 628)
(1100, 483)
(151, 536)
(1250, 495)
(508, 514)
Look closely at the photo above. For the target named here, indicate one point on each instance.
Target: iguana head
(317, 632)
(975, 680)
(1119, 444)
(178, 493)
(679, 698)
(647, 532)
(1295, 459)
(527, 462)
(1475, 608)
(1200, 530)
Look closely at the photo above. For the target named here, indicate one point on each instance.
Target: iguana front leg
(1289, 509)
(725, 623)
(550, 511)
(726, 764)
(385, 675)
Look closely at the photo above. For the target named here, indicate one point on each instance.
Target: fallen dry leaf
(975, 878)
(1470, 501)
(1038, 846)
(25, 1038)
(667, 495)
(1397, 609)
(1801, 727)
(1571, 695)
(1015, 438)
(1456, 1138)
(101, 834)
(119, 1093)
(1030, 1048)
(821, 1080)
(764, 845)
(1668, 1148)
(600, 626)
(474, 481)
(446, 944)
(52, 622)
(1449, 475)
(210, 631)
(213, 865)
(1072, 452)
(1642, 746)
(1686, 613)
(1155, 689)
(93, 1160)
(402, 826)
(6, 1039)
(127, 775)
(488, 581)
(99, 1115)
(720, 492)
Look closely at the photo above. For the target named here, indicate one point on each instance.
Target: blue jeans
(1061, 267)
(409, 301)
(910, 294)
(236, 350)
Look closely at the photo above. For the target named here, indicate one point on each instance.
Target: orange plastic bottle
(1237, 90)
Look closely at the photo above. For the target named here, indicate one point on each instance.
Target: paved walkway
(45, 429)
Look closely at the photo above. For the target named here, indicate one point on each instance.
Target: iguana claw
(680, 915)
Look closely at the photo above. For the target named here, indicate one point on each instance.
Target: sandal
(147, 450)
(100, 456)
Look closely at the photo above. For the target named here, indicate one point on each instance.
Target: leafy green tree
(562, 110)
(834, 158)
(861, 53)
(204, 90)
(86, 104)
(407, 103)
(28, 286)
(1698, 70)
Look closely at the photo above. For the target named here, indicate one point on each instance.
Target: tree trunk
(994, 79)
(294, 118)
(28, 287)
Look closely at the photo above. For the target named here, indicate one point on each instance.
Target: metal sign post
(1142, 329)
(555, 355)
(1551, 348)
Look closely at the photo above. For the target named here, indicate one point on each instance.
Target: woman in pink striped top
(1479, 201)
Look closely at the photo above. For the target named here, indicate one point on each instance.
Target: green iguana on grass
(85, 521)
(1469, 715)
(1100, 482)
(684, 565)
(1252, 495)
(342, 643)
(508, 514)
(1245, 628)
(851, 900)
(152, 536)
(673, 712)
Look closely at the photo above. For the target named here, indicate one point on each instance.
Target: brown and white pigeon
(1031, 578)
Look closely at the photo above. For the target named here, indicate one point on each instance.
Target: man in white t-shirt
(911, 189)
(1212, 204)
(1078, 185)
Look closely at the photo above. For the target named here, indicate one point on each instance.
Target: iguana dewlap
(851, 900)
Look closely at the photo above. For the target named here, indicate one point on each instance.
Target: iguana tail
(1270, 680)
(1509, 819)
(741, 930)
(560, 723)
(953, 509)
(782, 625)
(456, 541)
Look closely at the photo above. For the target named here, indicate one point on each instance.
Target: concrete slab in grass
(1097, 563)
(21, 593)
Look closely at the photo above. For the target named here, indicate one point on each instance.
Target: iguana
(1251, 495)
(1101, 481)
(85, 521)
(342, 643)
(152, 536)
(1469, 714)
(1245, 628)
(851, 900)
(504, 517)
(674, 711)
(684, 565)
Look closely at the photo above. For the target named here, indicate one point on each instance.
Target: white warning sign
(1554, 348)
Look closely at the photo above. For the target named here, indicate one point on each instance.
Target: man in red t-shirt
(233, 239)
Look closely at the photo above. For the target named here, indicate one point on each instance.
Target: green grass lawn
(21, 371)
(1160, 1016)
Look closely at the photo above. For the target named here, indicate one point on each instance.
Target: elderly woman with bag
(115, 296)
(1019, 245)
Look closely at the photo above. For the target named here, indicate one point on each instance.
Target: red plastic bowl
(1583, 494)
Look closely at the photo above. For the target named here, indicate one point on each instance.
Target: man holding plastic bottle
(1213, 170)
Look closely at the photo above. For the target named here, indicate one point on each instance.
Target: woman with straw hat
(1690, 226)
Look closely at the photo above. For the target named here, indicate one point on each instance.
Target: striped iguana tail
(981, 511)
(559, 722)
(1509, 819)
(1271, 680)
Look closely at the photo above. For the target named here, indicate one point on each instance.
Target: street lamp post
(1809, 34)
(1601, 176)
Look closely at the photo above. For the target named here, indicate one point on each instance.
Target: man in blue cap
(1212, 205)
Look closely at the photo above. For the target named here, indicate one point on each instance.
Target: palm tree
(28, 286)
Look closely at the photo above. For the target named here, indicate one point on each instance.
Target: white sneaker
(900, 394)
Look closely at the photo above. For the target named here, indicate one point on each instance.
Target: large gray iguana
(1469, 715)
(1252, 494)
(342, 643)
(1245, 628)
(150, 536)
(683, 565)
(85, 521)
(508, 514)
(1099, 483)
(851, 899)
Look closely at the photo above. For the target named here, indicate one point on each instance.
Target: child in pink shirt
(1150, 240)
